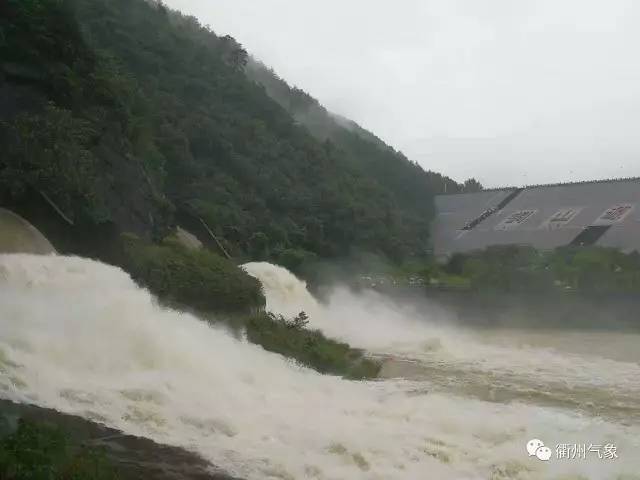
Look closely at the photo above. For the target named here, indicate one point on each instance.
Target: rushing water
(81, 337)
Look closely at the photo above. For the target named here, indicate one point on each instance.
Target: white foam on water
(381, 325)
(81, 337)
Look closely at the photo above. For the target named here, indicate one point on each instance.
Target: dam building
(604, 213)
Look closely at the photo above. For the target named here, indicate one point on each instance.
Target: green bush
(309, 347)
(517, 269)
(198, 279)
(37, 451)
(597, 269)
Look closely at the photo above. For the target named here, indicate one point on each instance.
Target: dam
(602, 213)
(19, 236)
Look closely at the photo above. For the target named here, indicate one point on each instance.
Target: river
(454, 403)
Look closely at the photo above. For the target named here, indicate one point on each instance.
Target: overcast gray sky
(508, 91)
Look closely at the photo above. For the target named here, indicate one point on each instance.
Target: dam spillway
(18, 236)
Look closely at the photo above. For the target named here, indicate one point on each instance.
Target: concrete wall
(545, 217)
(19, 236)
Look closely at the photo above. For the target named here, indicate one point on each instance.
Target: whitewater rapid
(81, 337)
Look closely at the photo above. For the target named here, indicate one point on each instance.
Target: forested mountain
(361, 148)
(123, 112)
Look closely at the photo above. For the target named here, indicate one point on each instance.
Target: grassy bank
(311, 348)
(43, 444)
(39, 451)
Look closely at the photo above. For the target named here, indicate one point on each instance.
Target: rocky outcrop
(134, 458)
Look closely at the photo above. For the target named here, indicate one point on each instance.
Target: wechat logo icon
(536, 448)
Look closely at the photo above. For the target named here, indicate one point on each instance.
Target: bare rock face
(135, 458)
(19, 236)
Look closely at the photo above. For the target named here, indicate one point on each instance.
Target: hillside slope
(362, 148)
(124, 113)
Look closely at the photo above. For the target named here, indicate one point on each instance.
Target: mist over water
(81, 337)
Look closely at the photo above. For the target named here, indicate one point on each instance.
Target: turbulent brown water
(455, 403)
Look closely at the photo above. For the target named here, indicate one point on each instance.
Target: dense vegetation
(124, 112)
(197, 279)
(66, 125)
(38, 451)
(309, 347)
(524, 269)
(361, 148)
